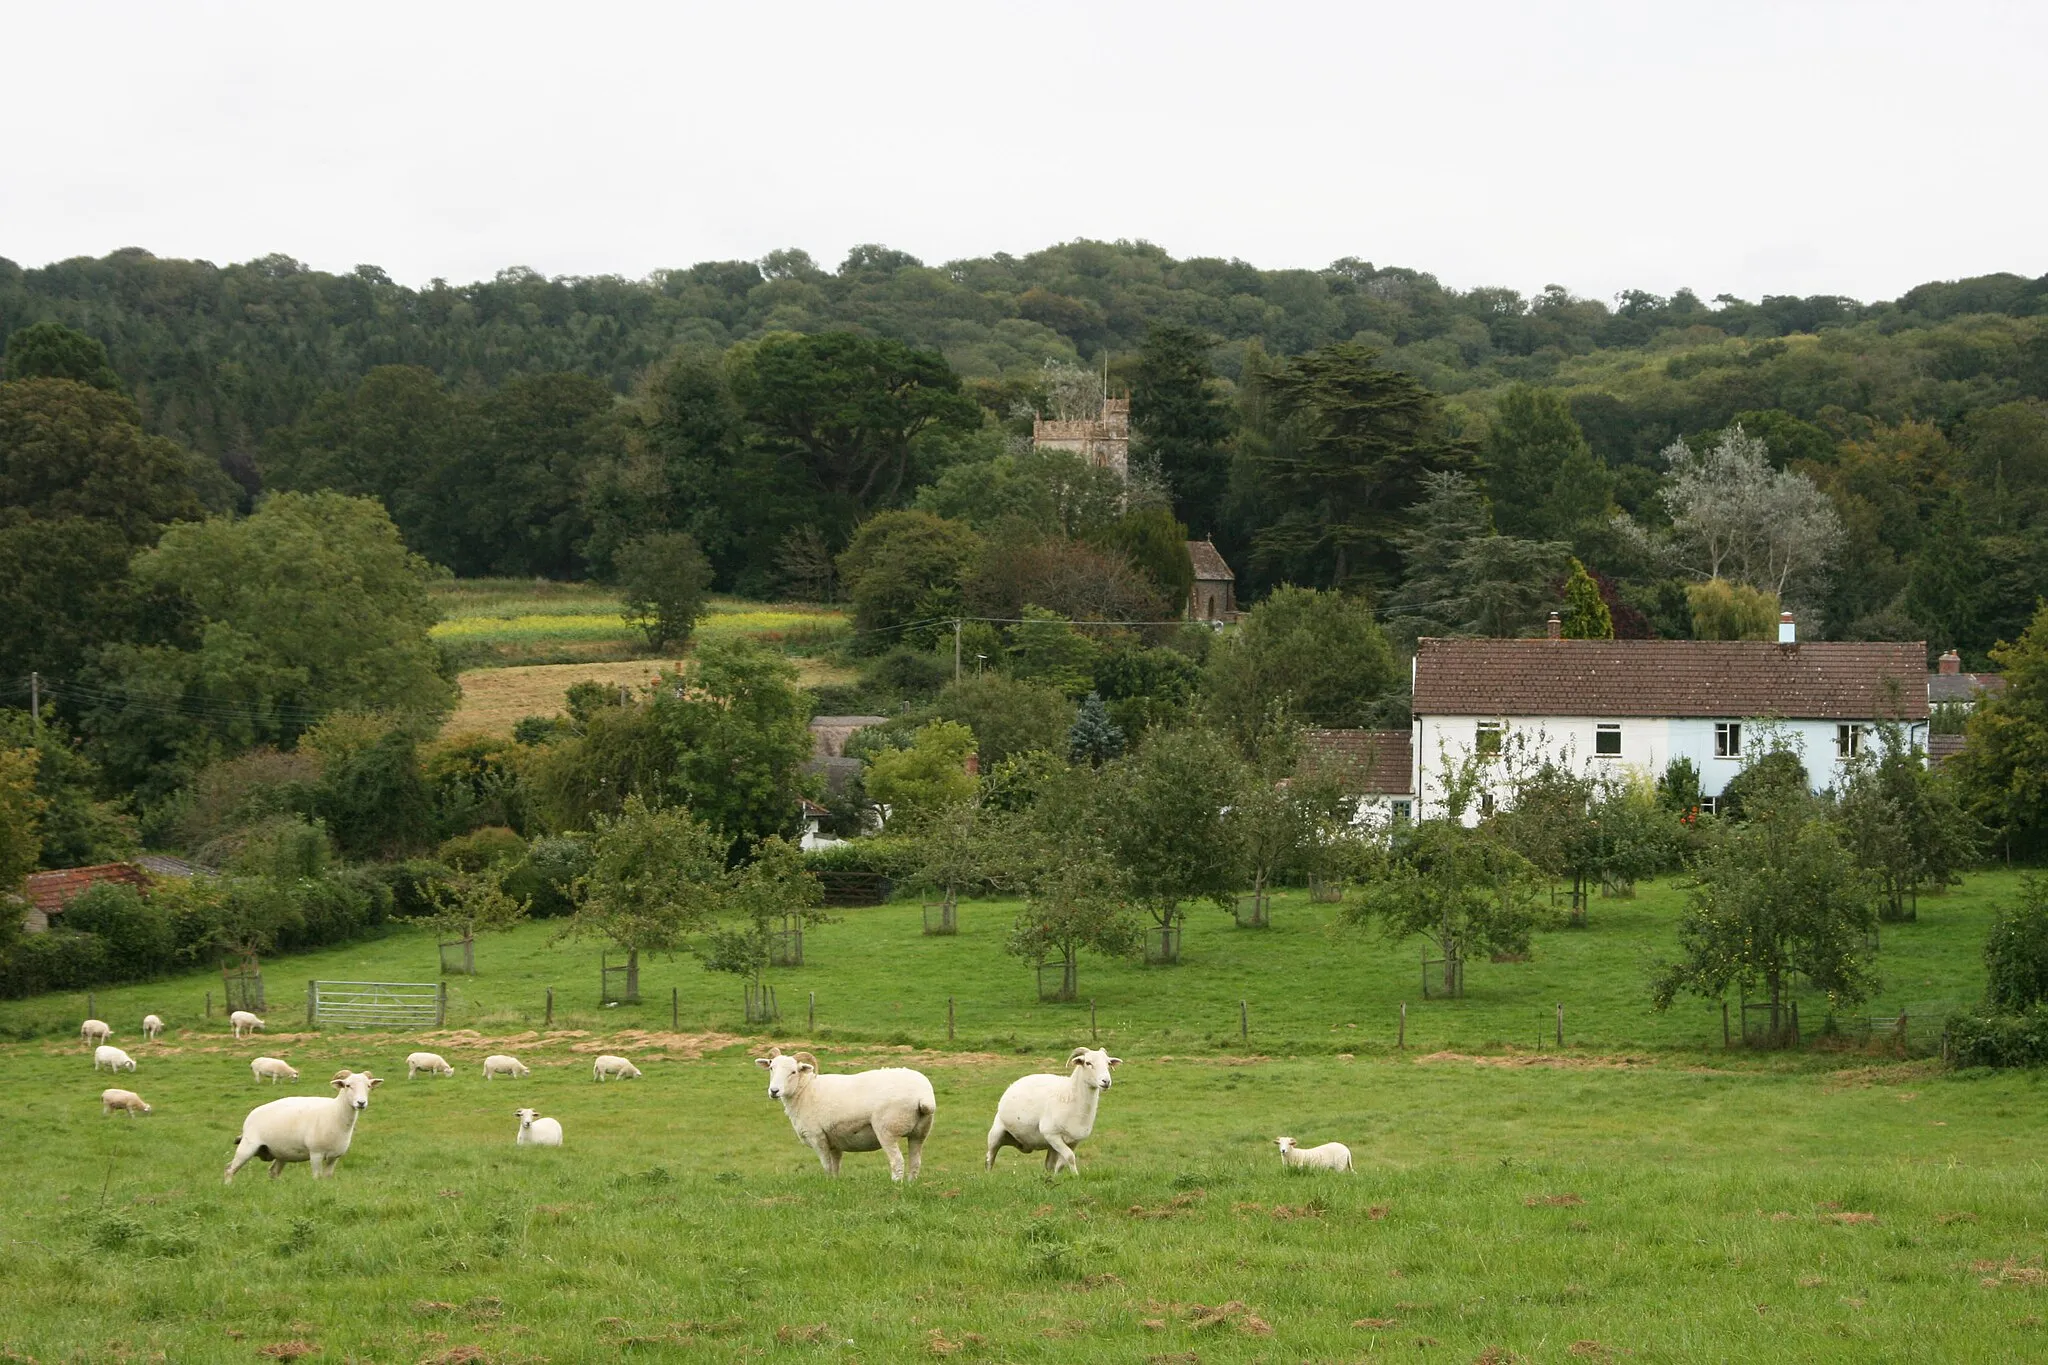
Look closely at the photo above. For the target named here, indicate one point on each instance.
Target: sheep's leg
(892, 1147)
(998, 1138)
(277, 1168)
(828, 1157)
(243, 1152)
(1060, 1155)
(916, 1146)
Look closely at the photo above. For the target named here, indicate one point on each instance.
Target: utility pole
(35, 699)
(956, 649)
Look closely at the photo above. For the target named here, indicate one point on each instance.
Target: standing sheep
(243, 1020)
(112, 1058)
(94, 1031)
(535, 1131)
(430, 1062)
(1331, 1156)
(307, 1128)
(126, 1100)
(862, 1112)
(273, 1069)
(152, 1028)
(1052, 1113)
(608, 1066)
(500, 1065)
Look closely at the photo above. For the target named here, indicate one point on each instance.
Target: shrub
(137, 937)
(487, 847)
(1999, 1039)
(884, 854)
(2016, 952)
(411, 884)
(543, 877)
(59, 960)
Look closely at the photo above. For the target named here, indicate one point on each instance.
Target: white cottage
(1597, 704)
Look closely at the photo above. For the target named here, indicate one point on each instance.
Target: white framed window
(1710, 805)
(1607, 739)
(1486, 741)
(1403, 812)
(1486, 805)
(1848, 740)
(1727, 739)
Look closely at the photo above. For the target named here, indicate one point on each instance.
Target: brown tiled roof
(1942, 748)
(1209, 565)
(1963, 686)
(1384, 755)
(1815, 681)
(50, 892)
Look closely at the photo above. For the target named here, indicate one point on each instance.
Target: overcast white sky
(1786, 148)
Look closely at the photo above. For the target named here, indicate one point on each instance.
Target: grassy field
(493, 622)
(496, 699)
(1638, 1196)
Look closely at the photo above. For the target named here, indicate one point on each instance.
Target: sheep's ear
(340, 1082)
(375, 1081)
(775, 1051)
(1080, 1056)
(763, 1062)
(1116, 1061)
(806, 1059)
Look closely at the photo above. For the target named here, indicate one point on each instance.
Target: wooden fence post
(674, 1010)
(1093, 1035)
(1401, 1040)
(209, 1004)
(549, 1022)
(441, 1004)
(1560, 1023)
(1244, 1022)
(812, 1025)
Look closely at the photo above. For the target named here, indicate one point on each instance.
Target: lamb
(1331, 1156)
(111, 1058)
(431, 1062)
(608, 1066)
(310, 1128)
(152, 1027)
(94, 1031)
(273, 1069)
(854, 1113)
(535, 1131)
(1052, 1113)
(127, 1100)
(242, 1019)
(501, 1065)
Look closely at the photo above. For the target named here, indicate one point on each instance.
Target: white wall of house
(1648, 745)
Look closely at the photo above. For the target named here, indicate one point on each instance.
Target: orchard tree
(666, 583)
(466, 904)
(654, 881)
(762, 900)
(1462, 889)
(1292, 808)
(1903, 823)
(1076, 903)
(1159, 814)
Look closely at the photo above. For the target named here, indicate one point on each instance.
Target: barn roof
(50, 892)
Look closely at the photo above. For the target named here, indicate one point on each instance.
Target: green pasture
(519, 621)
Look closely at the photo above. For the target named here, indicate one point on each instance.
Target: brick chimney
(1950, 662)
(972, 767)
(1788, 630)
(1554, 627)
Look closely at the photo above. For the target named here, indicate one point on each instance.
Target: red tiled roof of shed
(1824, 680)
(50, 892)
(1383, 755)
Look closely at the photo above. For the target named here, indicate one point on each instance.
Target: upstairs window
(1487, 743)
(1848, 741)
(1486, 805)
(1403, 812)
(1710, 805)
(1727, 739)
(1607, 739)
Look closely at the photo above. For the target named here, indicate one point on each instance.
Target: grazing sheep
(308, 1128)
(94, 1031)
(608, 1066)
(127, 1100)
(111, 1058)
(856, 1113)
(501, 1065)
(242, 1019)
(152, 1027)
(273, 1069)
(1331, 1156)
(535, 1131)
(1052, 1113)
(430, 1062)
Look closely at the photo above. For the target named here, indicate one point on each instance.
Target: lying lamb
(112, 1058)
(1052, 1113)
(855, 1113)
(128, 1100)
(608, 1066)
(306, 1128)
(430, 1062)
(273, 1069)
(535, 1131)
(1331, 1156)
(94, 1031)
(152, 1027)
(500, 1065)
(243, 1020)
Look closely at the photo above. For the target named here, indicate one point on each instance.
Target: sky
(1784, 148)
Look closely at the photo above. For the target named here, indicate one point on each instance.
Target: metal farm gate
(376, 1004)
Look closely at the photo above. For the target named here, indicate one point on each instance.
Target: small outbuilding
(1214, 595)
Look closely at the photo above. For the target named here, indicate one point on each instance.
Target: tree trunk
(633, 976)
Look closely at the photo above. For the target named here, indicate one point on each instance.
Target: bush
(137, 938)
(375, 801)
(1999, 1039)
(2016, 952)
(544, 876)
(491, 845)
(59, 960)
(411, 884)
(885, 854)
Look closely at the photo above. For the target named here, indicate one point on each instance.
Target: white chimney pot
(1788, 631)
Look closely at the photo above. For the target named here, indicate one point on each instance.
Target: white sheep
(862, 1112)
(126, 1100)
(112, 1058)
(1331, 1156)
(94, 1031)
(535, 1131)
(1052, 1113)
(500, 1065)
(608, 1066)
(431, 1062)
(152, 1027)
(242, 1019)
(308, 1128)
(273, 1069)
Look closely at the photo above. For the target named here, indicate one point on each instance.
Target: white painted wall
(1647, 747)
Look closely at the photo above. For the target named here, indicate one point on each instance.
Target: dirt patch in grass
(1518, 1059)
(1897, 1073)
